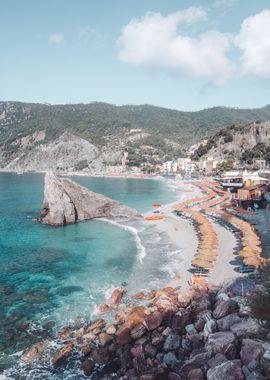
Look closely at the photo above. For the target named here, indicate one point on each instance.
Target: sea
(54, 276)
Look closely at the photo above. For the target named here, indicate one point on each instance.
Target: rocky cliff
(66, 202)
(235, 140)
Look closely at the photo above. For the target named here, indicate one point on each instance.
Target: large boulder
(222, 342)
(230, 370)
(197, 360)
(67, 202)
(116, 297)
(226, 322)
(247, 329)
(251, 350)
(172, 342)
(224, 307)
(154, 320)
(62, 353)
(35, 352)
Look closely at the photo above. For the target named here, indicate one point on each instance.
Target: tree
(259, 300)
(225, 165)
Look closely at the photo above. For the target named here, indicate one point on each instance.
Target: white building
(167, 166)
(208, 164)
(183, 162)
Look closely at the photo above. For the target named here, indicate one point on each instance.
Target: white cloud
(155, 41)
(56, 38)
(254, 41)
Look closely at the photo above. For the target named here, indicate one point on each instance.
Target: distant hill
(145, 132)
(245, 142)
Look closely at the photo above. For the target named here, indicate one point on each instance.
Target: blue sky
(186, 55)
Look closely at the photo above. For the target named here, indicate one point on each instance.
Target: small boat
(154, 217)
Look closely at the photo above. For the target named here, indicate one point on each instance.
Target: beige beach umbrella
(246, 254)
(202, 263)
(210, 259)
(253, 261)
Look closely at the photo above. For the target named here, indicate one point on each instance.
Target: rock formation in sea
(66, 202)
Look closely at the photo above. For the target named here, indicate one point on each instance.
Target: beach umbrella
(252, 261)
(246, 254)
(156, 205)
(202, 263)
(210, 259)
(207, 251)
(241, 286)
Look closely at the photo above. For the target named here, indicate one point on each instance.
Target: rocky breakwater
(202, 334)
(67, 202)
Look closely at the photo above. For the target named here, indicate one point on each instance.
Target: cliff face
(237, 139)
(66, 202)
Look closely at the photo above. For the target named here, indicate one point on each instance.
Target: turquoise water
(49, 276)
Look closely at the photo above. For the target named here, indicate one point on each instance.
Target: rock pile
(203, 334)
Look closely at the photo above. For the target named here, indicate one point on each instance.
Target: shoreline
(83, 174)
(180, 233)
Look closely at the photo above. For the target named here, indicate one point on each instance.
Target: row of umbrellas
(251, 244)
(207, 250)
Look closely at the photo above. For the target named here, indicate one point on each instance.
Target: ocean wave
(135, 233)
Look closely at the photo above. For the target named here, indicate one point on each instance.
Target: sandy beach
(182, 233)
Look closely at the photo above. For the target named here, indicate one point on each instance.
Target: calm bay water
(49, 276)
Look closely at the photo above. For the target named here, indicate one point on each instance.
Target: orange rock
(103, 308)
(140, 296)
(97, 325)
(133, 319)
(116, 297)
(151, 294)
(35, 351)
(165, 303)
(185, 299)
(136, 316)
(168, 290)
(65, 332)
(154, 320)
(111, 330)
(63, 353)
(120, 317)
(105, 339)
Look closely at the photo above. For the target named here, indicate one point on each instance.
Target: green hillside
(102, 123)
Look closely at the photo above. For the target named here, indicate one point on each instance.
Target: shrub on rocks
(259, 303)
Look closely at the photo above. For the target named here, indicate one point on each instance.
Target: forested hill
(23, 126)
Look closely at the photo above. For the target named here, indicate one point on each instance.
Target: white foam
(135, 233)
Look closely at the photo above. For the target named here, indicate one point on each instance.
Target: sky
(180, 54)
